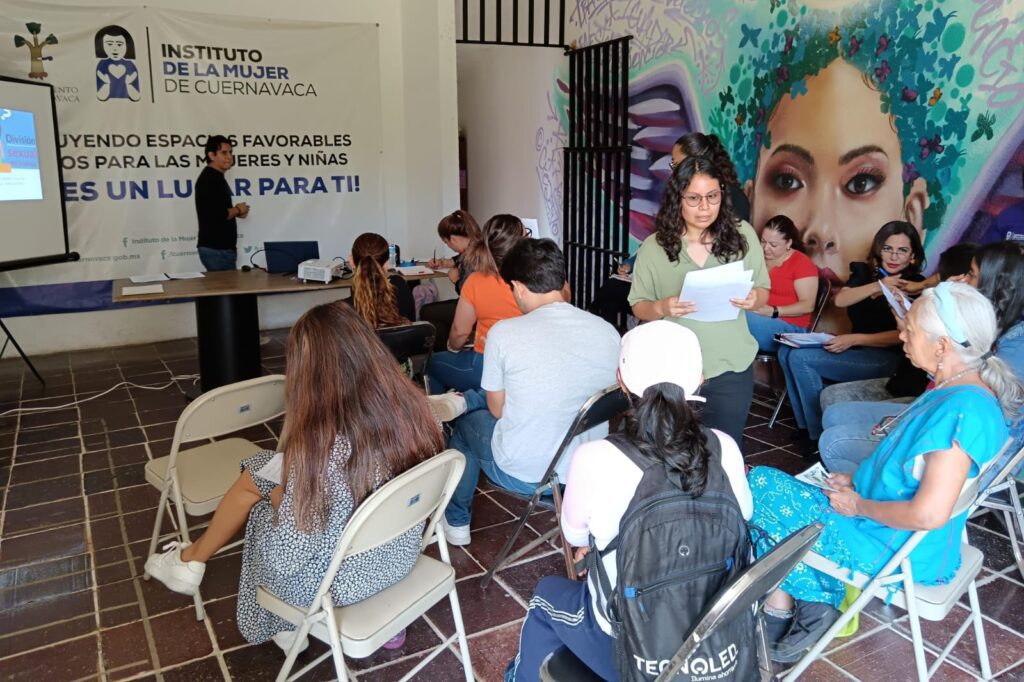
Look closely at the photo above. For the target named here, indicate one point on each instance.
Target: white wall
(503, 104)
(420, 158)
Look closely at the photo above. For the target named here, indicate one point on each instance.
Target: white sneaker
(285, 638)
(456, 535)
(180, 576)
(447, 406)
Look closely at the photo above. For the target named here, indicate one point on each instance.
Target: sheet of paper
(271, 471)
(623, 278)
(806, 339)
(409, 270)
(816, 476)
(141, 279)
(140, 291)
(899, 303)
(711, 290)
(185, 275)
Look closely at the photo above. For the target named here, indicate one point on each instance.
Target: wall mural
(842, 115)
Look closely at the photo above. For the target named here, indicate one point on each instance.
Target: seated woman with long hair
(382, 300)
(352, 422)
(794, 288)
(486, 298)
(912, 480)
(660, 368)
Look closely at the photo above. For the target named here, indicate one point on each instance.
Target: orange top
(491, 296)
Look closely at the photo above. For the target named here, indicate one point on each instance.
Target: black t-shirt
(213, 201)
(403, 297)
(872, 315)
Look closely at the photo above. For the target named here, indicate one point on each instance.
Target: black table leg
(229, 339)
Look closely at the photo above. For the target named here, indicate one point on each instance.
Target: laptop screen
(285, 257)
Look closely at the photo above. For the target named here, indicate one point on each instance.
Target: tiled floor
(77, 513)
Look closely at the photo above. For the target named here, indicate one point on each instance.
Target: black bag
(674, 553)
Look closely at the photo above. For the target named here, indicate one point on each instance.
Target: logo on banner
(35, 49)
(117, 77)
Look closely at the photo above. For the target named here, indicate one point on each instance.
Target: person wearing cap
(538, 369)
(660, 368)
(910, 482)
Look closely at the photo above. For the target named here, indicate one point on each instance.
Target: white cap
(661, 352)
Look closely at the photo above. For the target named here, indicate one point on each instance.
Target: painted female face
(114, 46)
(835, 168)
(896, 253)
(774, 244)
(701, 201)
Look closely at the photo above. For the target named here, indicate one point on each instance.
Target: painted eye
(862, 183)
(787, 182)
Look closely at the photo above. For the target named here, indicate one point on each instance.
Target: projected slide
(19, 157)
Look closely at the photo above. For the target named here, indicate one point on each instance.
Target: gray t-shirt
(548, 362)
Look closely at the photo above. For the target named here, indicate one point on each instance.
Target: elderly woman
(910, 482)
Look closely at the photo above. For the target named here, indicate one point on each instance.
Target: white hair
(977, 320)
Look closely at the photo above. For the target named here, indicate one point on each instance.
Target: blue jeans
(807, 370)
(471, 436)
(847, 440)
(461, 371)
(217, 259)
(561, 614)
(764, 329)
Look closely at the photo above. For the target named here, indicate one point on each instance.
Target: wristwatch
(775, 311)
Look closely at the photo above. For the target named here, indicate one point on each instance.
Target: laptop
(284, 257)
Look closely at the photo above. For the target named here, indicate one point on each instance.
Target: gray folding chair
(600, 408)
(358, 630)
(895, 581)
(743, 592)
(196, 479)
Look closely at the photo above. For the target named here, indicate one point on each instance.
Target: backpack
(674, 553)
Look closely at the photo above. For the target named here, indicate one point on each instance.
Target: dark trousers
(729, 396)
(440, 314)
(610, 303)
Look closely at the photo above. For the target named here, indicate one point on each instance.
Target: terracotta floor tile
(46, 635)
(45, 611)
(180, 637)
(1001, 601)
(35, 452)
(70, 660)
(38, 517)
(44, 491)
(487, 543)
(481, 609)
(1005, 647)
(889, 652)
(49, 544)
(49, 468)
(447, 666)
(124, 645)
(203, 670)
(491, 651)
(262, 663)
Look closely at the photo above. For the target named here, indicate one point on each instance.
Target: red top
(798, 266)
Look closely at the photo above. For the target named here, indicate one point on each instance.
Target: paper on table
(271, 471)
(185, 275)
(139, 291)
(900, 304)
(409, 270)
(816, 476)
(140, 279)
(711, 290)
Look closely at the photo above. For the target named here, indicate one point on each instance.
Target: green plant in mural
(35, 48)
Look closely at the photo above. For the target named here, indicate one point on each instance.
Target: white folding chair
(1005, 497)
(420, 494)
(197, 478)
(931, 602)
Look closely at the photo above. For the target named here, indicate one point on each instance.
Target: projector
(319, 270)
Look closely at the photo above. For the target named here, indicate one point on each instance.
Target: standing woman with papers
(696, 231)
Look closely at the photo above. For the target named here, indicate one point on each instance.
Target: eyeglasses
(694, 200)
(902, 252)
(527, 231)
(674, 164)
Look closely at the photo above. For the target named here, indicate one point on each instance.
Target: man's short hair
(537, 263)
(213, 143)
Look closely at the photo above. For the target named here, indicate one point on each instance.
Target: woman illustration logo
(116, 74)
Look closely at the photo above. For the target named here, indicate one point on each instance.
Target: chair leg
(1015, 525)
(511, 540)
(910, 591)
(979, 631)
(160, 509)
(764, 657)
(460, 630)
(335, 634)
(570, 564)
(845, 617)
(778, 407)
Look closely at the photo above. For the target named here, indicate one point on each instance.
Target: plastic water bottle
(392, 256)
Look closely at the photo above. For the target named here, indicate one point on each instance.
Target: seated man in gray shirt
(538, 370)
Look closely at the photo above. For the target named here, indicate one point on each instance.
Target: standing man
(218, 229)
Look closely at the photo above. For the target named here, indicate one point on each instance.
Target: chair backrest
(992, 474)
(821, 300)
(407, 340)
(419, 494)
(745, 590)
(230, 408)
(599, 408)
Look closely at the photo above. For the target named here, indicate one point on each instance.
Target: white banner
(139, 89)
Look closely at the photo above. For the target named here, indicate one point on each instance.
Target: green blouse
(726, 346)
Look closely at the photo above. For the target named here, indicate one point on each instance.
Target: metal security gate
(596, 166)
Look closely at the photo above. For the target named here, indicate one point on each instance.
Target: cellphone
(883, 427)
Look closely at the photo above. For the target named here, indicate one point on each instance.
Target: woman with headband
(912, 480)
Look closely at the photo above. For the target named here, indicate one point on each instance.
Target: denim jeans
(847, 439)
(461, 371)
(764, 329)
(471, 435)
(807, 370)
(218, 259)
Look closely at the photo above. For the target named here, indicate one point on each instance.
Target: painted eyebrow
(797, 150)
(860, 151)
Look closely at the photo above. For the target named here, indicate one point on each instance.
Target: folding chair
(931, 602)
(197, 478)
(745, 591)
(599, 409)
(414, 340)
(358, 630)
(820, 301)
(1005, 497)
